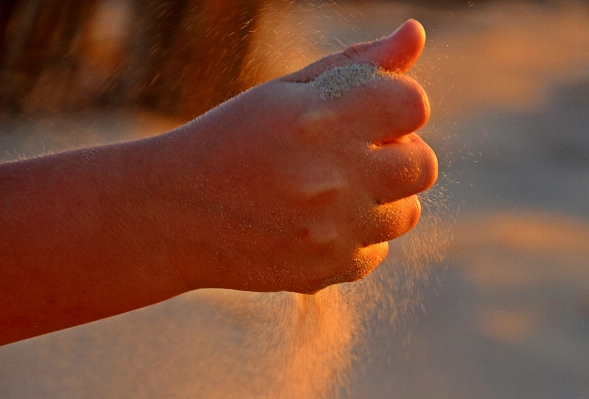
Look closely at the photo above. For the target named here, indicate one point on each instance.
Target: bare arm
(77, 239)
(277, 189)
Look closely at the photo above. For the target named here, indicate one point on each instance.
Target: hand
(285, 188)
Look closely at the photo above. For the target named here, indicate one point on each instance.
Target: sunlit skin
(276, 189)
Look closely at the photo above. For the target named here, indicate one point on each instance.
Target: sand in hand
(337, 81)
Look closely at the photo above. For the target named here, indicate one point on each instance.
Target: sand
(337, 81)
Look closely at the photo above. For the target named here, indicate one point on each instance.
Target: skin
(276, 189)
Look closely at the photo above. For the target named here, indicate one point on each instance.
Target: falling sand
(305, 345)
(285, 345)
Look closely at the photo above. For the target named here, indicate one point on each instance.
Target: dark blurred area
(66, 55)
(176, 57)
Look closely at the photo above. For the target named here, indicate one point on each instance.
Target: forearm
(76, 243)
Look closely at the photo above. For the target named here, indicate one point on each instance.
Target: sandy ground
(505, 316)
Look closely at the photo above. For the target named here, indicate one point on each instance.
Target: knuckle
(416, 171)
(413, 107)
(428, 165)
(395, 219)
(408, 174)
(417, 103)
(430, 171)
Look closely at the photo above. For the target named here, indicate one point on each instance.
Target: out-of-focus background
(506, 315)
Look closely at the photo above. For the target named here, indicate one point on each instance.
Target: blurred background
(505, 315)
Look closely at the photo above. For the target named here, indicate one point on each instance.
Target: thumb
(395, 53)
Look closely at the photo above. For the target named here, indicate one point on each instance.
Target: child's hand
(299, 183)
